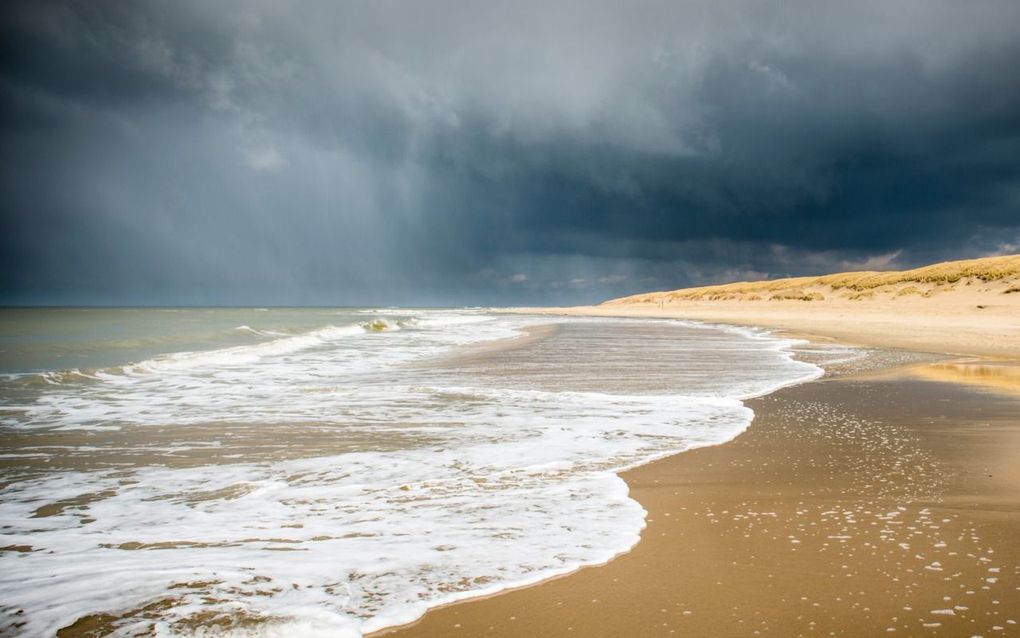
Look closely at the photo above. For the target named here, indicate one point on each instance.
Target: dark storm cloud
(463, 152)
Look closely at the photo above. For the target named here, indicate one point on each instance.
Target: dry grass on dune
(924, 282)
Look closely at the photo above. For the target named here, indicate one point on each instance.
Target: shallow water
(333, 472)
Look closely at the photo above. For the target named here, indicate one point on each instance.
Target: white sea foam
(468, 483)
(247, 354)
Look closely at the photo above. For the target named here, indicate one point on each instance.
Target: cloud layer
(520, 152)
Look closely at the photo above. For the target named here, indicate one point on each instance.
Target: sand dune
(993, 276)
(969, 307)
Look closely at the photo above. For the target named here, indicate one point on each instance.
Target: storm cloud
(444, 152)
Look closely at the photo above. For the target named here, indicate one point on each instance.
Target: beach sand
(969, 307)
(856, 505)
(881, 501)
(952, 325)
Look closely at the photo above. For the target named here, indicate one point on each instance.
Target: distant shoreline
(969, 307)
(959, 328)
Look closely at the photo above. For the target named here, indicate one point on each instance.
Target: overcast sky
(438, 152)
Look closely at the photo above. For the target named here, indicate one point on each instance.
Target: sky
(435, 152)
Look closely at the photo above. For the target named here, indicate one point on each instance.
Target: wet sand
(961, 323)
(855, 505)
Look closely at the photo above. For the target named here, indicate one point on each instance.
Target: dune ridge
(969, 307)
(1003, 273)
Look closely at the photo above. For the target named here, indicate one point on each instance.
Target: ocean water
(331, 472)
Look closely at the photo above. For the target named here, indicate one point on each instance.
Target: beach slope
(867, 503)
(969, 307)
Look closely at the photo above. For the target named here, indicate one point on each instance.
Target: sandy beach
(882, 499)
(966, 307)
(855, 505)
(522, 319)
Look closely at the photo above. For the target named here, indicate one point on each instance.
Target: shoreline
(968, 330)
(524, 610)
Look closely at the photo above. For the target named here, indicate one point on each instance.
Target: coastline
(953, 324)
(685, 576)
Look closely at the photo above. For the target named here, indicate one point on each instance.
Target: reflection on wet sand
(993, 375)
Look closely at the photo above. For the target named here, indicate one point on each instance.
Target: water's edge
(790, 349)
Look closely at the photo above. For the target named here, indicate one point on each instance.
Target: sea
(337, 471)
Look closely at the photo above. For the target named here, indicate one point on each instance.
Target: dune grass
(851, 285)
